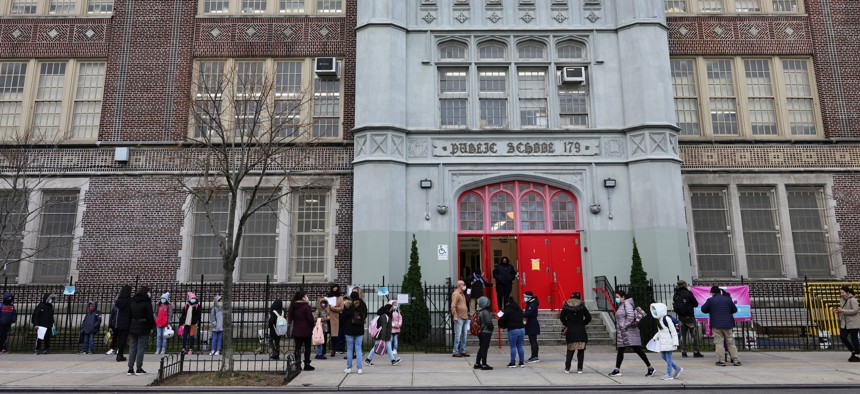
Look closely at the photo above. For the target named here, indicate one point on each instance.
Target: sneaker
(579, 371)
(111, 351)
(369, 362)
(396, 361)
(615, 372)
(684, 354)
(522, 365)
(359, 371)
(347, 371)
(852, 359)
(477, 366)
(394, 352)
(533, 360)
(650, 372)
(677, 373)
(698, 355)
(218, 353)
(666, 377)
(190, 352)
(130, 372)
(512, 365)
(486, 367)
(121, 359)
(737, 363)
(157, 352)
(183, 351)
(720, 363)
(36, 352)
(308, 368)
(46, 351)
(566, 371)
(140, 371)
(211, 352)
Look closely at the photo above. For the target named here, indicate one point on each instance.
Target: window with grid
(329, 6)
(711, 5)
(209, 96)
(12, 77)
(531, 50)
(249, 88)
(723, 102)
(471, 212)
(798, 89)
(326, 108)
(501, 212)
(23, 7)
(573, 105)
(806, 211)
(570, 51)
(492, 97)
(760, 101)
(291, 6)
(733, 6)
(259, 253)
(686, 100)
(760, 227)
(49, 99)
(309, 233)
(52, 261)
(216, 6)
(712, 233)
(210, 220)
(492, 51)
(99, 6)
(453, 97)
(288, 100)
(13, 205)
(748, 5)
(532, 94)
(87, 110)
(785, 5)
(532, 212)
(61, 7)
(57, 7)
(563, 212)
(675, 5)
(452, 50)
(253, 6)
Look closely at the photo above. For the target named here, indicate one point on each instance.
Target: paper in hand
(41, 333)
(500, 314)
(468, 291)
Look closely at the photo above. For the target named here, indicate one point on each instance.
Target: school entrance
(535, 226)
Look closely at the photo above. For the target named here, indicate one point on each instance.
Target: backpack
(681, 305)
(475, 324)
(318, 337)
(373, 330)
(674, 321)
(638, 315)
(357, 318)
(280, 324)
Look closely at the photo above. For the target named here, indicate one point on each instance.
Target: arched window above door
(517, 207)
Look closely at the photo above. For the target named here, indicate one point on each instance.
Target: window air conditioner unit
(326, 67)
(573, 75)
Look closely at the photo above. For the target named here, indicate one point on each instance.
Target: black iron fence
(177, 363)
(787, 316)
(251, 303)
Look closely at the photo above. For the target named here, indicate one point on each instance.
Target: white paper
(41, 333)
(468, 291)
(500, 314)
(403, 299)
(332, 301)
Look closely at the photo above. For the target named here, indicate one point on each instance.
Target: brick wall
(846, 190)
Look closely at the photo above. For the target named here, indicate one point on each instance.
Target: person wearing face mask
(216, 324)
(354, 317)
(338, 342)
(504, 274)
(189, 320)
(90, 327)
(667, 338)
(627, 333)
(396, 323)
(460, 314)
(530, 313)
(301, 318)
(163, 312)
(849, 322)
(141, 323)
(43, 316)
(120, 322)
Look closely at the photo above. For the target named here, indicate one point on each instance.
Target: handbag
(380, 347)
(318, 338)
(168, 332)
(653, 345)
(181, 329)
(108, 338)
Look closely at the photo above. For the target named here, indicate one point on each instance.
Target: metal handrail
(599, 290)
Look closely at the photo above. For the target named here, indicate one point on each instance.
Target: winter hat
(191, 295)
(166, 296)
(682, 283)
(576, 295)
(716, 290)
(483, 303)
(529, 294)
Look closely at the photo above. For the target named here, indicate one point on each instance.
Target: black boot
(308, 366)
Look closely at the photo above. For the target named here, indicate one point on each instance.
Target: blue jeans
(387, 349)
(395, 341)
(216, 340)
(460, 336)
(515, 340)
(187, 338)
(353, 345)
(160, 340)
(667, 356)
(89, 340)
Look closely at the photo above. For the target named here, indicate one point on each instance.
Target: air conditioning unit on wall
(327, 67)
(572, 75)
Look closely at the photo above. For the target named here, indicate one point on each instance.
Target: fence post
(807, 306)
(5, 282)
(69, 314)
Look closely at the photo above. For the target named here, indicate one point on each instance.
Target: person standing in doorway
(530, 313)
(119, 318)
(504, 275)
(141, 322)
(721, 309)
(460, 315)
(849, 322)
(627, 333)
(684, 303)
(476, 289)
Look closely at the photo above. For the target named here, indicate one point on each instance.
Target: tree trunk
(227, 336)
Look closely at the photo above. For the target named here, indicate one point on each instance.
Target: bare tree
(23, 171)
(252, 142)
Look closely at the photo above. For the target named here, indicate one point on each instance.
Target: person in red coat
(301, 318)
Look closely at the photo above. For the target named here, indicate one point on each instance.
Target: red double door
(550, 266)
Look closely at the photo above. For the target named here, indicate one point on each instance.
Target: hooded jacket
(119, 313)
(277, 305)
(322, 314)
(354, 308)
(721, 310)
(384, 323)
(8, 313)
(396, 319)
(512, 319)
(684, 302)
(504, 274)
(216, 315)
(93, 320)
(849, 318)
(195, 310)
(485, 319)
(531, 316)
(163, 311)
(302, 319)
(666, 333)
(626, 333)
(140, 315)
(575, 316)
(43, 315)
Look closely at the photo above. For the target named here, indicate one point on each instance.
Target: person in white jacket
(667, 337)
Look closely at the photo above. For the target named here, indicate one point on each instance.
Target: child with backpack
(162, 320)
(90, 327)
(188, 323)
(216, 324)
(380, 330)
(667, 338)
(277, 327)
(485, 329)
(321, 317)
(396, 323)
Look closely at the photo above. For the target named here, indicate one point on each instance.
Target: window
(64, 99)
(53, 258)
(745, 98)
(733, 6)
(515, 207)
(452, 50)
(270, 7)
(209, 221)
(531, 50)
(532, 97)
(310, 234)
(300, 104)
(57, 7)
(471, 212)
(563, 212)
(531, 212)
(13, 219)
(743, 230)
(453, 97)
(502, 212)
(492, 97)
(573, 105)
(570, 51)
(492, 50)
(259, 254)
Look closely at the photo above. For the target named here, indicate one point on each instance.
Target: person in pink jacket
(396, 323)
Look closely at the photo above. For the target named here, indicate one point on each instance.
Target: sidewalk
(442, 371)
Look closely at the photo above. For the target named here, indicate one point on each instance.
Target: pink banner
(739, 294)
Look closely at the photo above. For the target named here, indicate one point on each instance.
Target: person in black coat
(504, 275)
(476, 284)
(43, 316)
(141, 323)
(274, 338)
(353, 318)
(512, 320)
(120, 321)
(684, 304)
(532, 324)
(575, 316)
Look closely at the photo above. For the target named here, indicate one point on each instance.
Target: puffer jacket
(216, 316)
(575, 316)
(626, 334)
(301, 316)
(512, 319)
(849, 318)
(8, 313)
(43, 315)
(666, 335)
(396, 320)
(721, 310)
(93, 320)
(530, 313)
(140, 315)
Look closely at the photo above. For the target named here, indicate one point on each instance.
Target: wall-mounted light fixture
(609, 183)
(426, 184)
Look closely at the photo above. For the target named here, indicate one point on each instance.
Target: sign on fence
(740, 295)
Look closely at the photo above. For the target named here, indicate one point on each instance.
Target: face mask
(617, 300)
(526, 299)
(149, 295)
(654, 313)
(396, 307)
(163, 301)
(50, 300)
(193, 301)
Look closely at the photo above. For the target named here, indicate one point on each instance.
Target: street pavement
(762, 370)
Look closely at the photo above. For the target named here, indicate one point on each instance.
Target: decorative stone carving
(429, 17)
(417, 148)
(527, 17)
(462, 17)
(592, 17)
(560, 17)
(494, 17)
